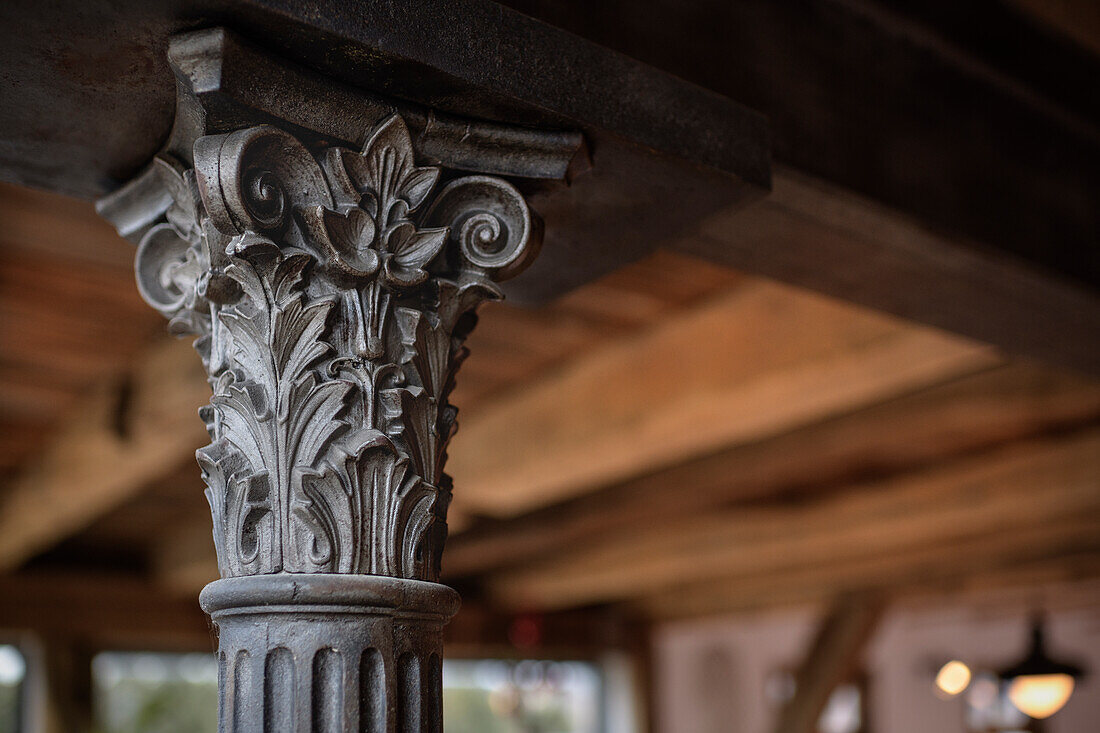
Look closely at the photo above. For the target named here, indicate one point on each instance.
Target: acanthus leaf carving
(331, 291)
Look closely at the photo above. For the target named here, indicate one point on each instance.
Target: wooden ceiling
(673, 439)
(70, 317)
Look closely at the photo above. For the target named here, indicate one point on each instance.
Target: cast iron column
(331, 289)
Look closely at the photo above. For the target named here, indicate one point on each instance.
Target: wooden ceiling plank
(60, 228)
(1064, 550)
(68, 279)
(752, 364)
(964, 415)
(88, 331)
(113, 446)
(951, 124)
(29, 400)
(678, 279)
(817, 235)
(1000, 491)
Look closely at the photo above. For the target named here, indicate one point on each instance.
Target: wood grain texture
(513, 345)
(113, 444)
(940, 423)
(1066, 550)
(833, 657)
(745, 366)
(70, 317)
(998, 493)
(971, 125)
(812, 234)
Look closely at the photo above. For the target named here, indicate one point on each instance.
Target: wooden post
(830, 661)
(66, 668)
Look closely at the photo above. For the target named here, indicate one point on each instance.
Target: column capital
(331, 288)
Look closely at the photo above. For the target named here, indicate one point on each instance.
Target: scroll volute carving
(331, 291)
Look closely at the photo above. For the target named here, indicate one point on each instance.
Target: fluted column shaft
(328, 653)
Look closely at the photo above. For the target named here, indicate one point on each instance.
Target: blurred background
(690, 498)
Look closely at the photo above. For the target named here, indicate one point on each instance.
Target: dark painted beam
(972, 127)
(96, 99)
(945, 156)
(967, 115)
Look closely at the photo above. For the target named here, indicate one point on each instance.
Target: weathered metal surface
(324, 653)
(331, 292)
(96, 103)
(332, 296)
(331, 274)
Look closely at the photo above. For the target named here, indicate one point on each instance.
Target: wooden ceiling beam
(1063, 551)
(121, 438)
(762, 359)
(961, 416)
(997, 493)
(106, 611)
(817, 235)
(955, 177)
(759, 361)
(832, 659)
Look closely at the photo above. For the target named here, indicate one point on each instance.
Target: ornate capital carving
(331, 290)
(328, 247)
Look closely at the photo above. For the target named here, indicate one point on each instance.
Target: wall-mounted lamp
(1038, 685)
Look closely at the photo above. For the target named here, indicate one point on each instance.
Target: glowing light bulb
(953, 678)
(1040, 695)
(1037, 685)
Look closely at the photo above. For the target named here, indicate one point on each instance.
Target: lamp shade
(1037, 685)
(1040, 695)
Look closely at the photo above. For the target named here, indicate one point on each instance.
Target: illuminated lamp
(1039, 686)
(953, 678)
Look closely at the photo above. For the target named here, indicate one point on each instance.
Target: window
(178, 693)
(13, 671)
(529, 696)
(844, 712)
(155, 693)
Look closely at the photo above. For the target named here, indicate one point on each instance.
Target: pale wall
(710, 675)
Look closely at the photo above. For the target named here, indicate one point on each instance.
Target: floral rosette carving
(331, 291)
